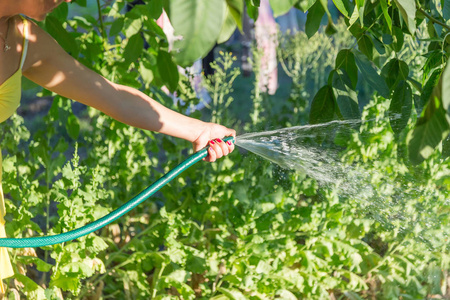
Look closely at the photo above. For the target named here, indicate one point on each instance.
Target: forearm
(134, 108)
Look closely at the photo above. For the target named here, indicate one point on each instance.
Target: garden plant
(243, 227)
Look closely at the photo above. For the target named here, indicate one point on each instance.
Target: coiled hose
(112, 216)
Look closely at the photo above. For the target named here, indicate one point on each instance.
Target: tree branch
(433, 19)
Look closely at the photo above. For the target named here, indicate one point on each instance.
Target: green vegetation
(242, 228)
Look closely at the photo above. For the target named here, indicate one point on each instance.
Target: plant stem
(433, 19)
(100, 18)
(156, 277)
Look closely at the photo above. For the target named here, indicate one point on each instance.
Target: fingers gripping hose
(114, 215)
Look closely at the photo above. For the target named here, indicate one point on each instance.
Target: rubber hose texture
(112, 216)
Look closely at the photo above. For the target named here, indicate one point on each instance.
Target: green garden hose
(112, 216)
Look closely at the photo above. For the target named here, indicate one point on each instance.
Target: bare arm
(50, 66)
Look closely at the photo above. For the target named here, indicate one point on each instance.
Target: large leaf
(228, 27)
(322, 106)
(433, 125)
(168, 70)
(434, 59)
(116, 27)
(343, 6)
(346, 98)
(365, 45)
(429, 87)
(236, 8)
(399, 38)
(313, 18)
(430, 130)
(134, 48)
(155, 8)
(64, 38)
(346, 60)
(446, 9)
(199, 23)
(394, 71)
(280, 7)
(408, 11)
(400, 107)
(370, 75)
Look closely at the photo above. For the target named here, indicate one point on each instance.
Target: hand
(212, 136)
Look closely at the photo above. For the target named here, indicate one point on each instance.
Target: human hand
(212, 136)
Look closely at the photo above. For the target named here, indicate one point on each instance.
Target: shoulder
(41, 45)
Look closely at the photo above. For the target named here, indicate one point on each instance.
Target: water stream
(310, 149)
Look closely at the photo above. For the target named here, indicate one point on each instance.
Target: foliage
(241, 228)
(381, 29)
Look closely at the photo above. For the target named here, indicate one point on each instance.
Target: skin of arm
(48, 65)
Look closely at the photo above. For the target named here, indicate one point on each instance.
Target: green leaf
(281, 7)
(30, 287)
(400, 107)
(286, 295)
(304, 5)
(116, 27)
(360, 7)
(65, 39)
(81, 3)
(199, 23)
(379, 46)
(132, 26)
(430, 130)
(95, 244)
(232, 294)
(252, 9)
(322, 106)
(65, 282)
(155, 9)
(446, 9)
(228, 27)
(394, 71)
(314, 18)
(343, 6)
(352, 295)
(433, 125)
(430, 85)
(398, 38)
(73, 126)
(408, 11)
(371, 76)
(40, 264)
(61, 12)
(345, 60)
(435, 59)
(134, 48)
(145, 69)
(345, 96)
(354, 17)
(168, 70)
(331, 28)
(78, 267)
(236, 8)
(386, 15)
(365, 45)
